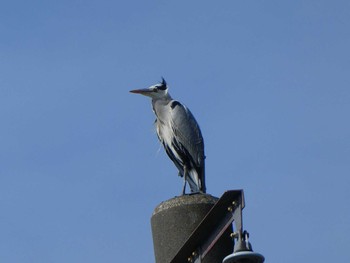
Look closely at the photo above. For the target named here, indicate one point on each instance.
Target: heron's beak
(146, 92)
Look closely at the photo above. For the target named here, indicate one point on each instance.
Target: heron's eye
(162, 87)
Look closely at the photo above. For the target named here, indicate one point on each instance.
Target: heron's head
(157, 91)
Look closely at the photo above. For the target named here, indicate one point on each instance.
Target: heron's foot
(196, 193)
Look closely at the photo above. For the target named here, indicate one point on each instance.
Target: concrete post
(174, 220)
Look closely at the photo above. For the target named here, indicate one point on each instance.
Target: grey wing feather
(187, 132)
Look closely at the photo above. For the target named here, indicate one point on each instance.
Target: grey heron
(180, 135)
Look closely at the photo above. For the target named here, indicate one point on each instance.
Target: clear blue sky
(81, 169)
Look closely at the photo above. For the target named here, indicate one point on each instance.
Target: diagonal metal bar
(216, 234)
(209, 231)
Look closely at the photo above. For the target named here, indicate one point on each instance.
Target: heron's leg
(184, 185)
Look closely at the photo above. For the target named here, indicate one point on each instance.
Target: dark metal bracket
(227, 209)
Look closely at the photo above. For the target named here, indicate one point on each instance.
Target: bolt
(190, 259)
(230, 209)
(234, 235)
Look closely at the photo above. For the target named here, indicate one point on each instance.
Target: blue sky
(81, 169)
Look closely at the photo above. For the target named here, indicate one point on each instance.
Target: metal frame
(227, 209)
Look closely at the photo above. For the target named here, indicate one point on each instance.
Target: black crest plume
(163, 84)
(163, 81)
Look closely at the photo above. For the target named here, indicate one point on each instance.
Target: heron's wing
(187, 132)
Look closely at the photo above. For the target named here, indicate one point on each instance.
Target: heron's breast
(165, 132)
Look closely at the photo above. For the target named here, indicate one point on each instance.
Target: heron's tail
(195, 181)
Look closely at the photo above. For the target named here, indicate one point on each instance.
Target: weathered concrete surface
(174, 220)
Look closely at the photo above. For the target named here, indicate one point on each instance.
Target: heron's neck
(165, 98)
(159, 103)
